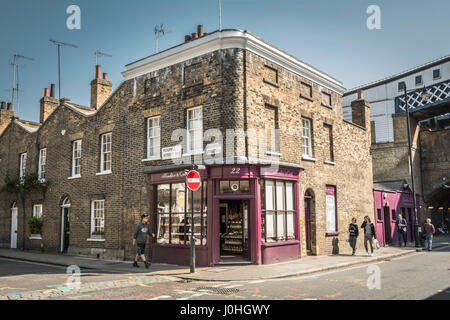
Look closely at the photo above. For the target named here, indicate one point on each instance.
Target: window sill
(307, 98)
(273, 153)
(331, 234)
(96, 240)
(280, 243)
(330, 162)
(193, 153)
(74, 177)
(309, 159)
(103, 173)
(326, 106)
(276, 85)
(151, 159)
(36, 237)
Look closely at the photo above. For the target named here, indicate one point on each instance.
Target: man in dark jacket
(401, 229)
(140, 238)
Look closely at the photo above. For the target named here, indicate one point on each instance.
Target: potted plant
(35, 224)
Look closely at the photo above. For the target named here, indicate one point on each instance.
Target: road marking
(196, 295)
(160, 297)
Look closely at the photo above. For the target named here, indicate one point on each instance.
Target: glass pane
(197, 201)
(289, 196)
(163, 198)
(197, 229)
(280, 226)
(270, 226)
(205, 197)
(244, 186)
(178, 197)
(290, 225)
(178, 228)
(263, 195)
(225, 186)
(280, 196)
(163, 228)
(205, 224)
(270, 195)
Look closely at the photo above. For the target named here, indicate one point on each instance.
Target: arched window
(66, 202)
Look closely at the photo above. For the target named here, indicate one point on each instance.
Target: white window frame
(97, 207)
(421, 80)
(439, 75)
(42, 162)
(153, 134)
(307, 151)
(106, 155)
(76, 158)
(23, 167)
(188, 135)
(37, 210)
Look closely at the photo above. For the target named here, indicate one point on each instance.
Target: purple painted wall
(400, 202)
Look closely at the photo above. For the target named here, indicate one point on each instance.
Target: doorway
(308, 224)
(387, 226)
(234, 246)
(14, 226)
(65, 225)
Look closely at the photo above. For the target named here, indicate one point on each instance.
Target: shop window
(174, 214)
(331, 209)
(277, 210)
(234, 186)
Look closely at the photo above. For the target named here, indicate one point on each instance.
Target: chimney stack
(100, 88)
(6, 115)
(187, 38)
(200, 30)
(361, 112)
(48, 103)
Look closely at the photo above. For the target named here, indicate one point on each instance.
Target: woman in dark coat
(369, 234)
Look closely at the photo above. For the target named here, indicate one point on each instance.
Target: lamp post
(424, 95)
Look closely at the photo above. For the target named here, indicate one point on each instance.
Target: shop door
(387, 226)
(234, 244)
(14, 228)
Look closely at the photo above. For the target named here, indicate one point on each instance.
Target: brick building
(283, 172)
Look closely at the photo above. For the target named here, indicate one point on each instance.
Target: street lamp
(425, 95)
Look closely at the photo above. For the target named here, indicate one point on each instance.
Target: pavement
(304, 266)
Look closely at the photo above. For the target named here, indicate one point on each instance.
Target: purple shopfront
(242, 214)
(391, 199)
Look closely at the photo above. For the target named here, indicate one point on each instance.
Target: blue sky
(330, 35)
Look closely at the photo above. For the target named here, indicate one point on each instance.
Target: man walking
(140, 238)
(401, 229)
(429, 231)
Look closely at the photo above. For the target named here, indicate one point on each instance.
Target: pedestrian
(429, 231)
(353, 232)
(369, 234)
(140, 239)
(401, 229)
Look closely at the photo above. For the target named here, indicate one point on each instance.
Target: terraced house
(266, 195)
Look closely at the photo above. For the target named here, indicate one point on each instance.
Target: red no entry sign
(193, 180)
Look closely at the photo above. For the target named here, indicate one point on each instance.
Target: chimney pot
(98, 71)
(360, 94)
(46, 92)
(194, 35)
(3, 105)
(200, 30)
(9, 106)
(187, 38)
(52, 90)
(105, 75)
